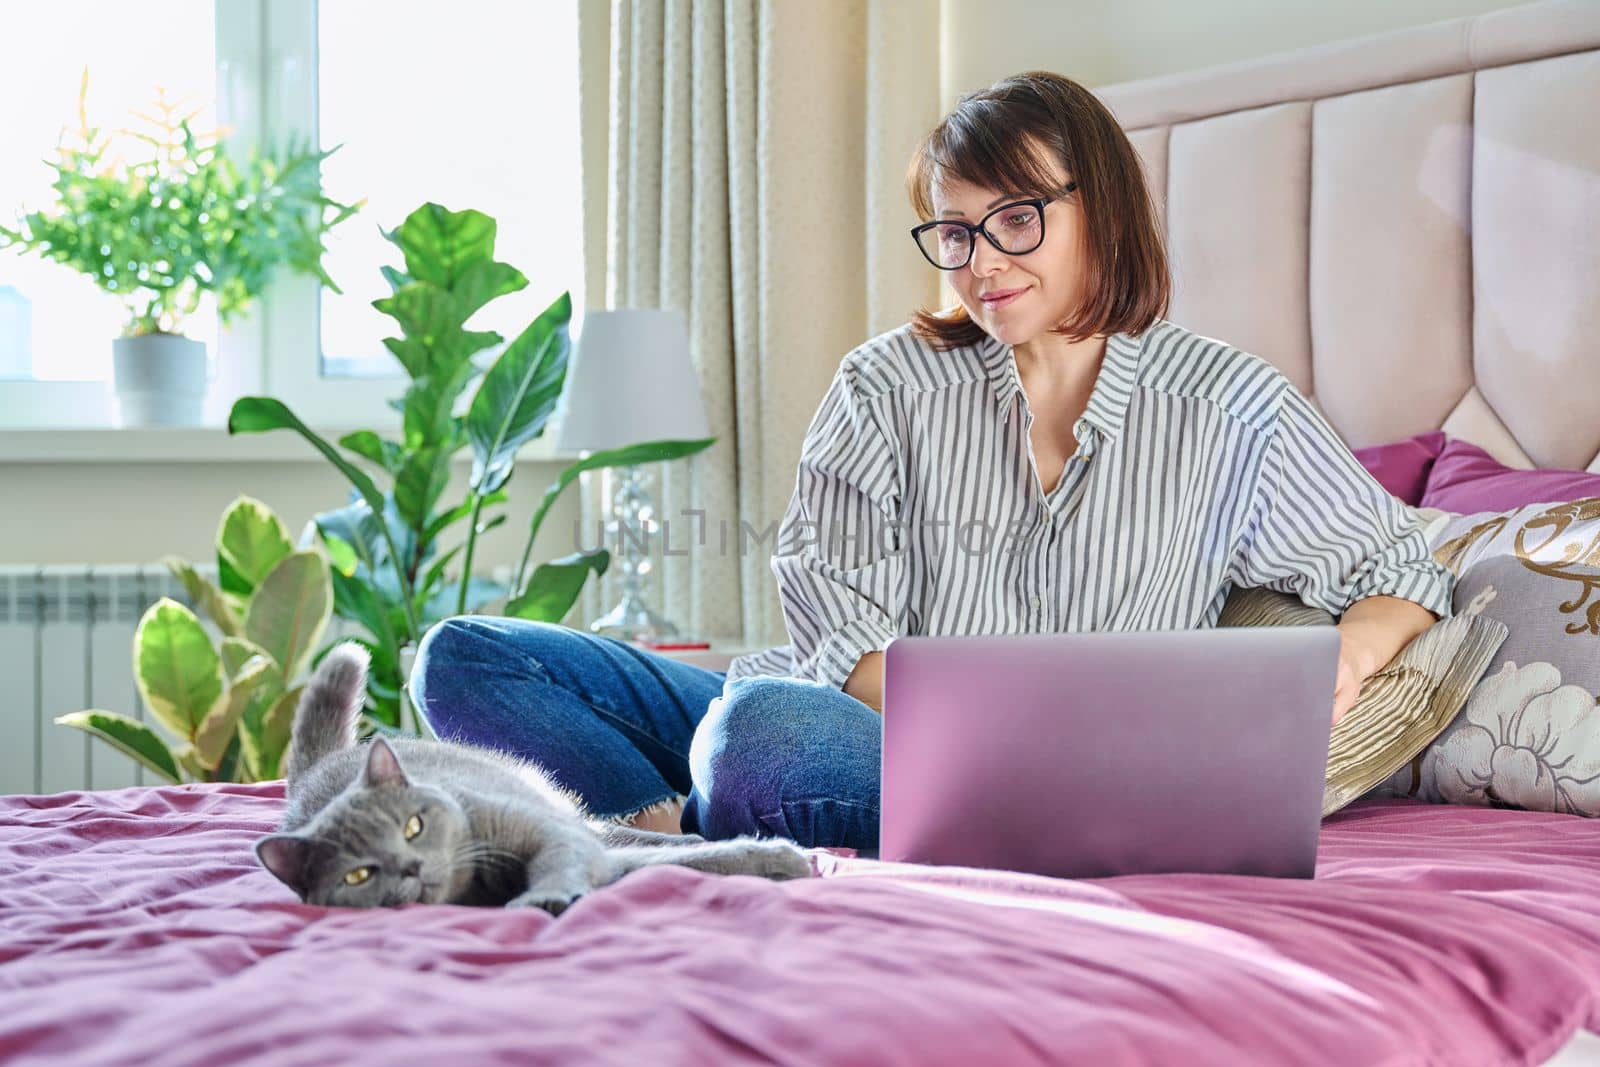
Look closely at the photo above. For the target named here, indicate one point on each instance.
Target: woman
(1049, 456)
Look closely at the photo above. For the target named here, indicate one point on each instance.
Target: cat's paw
(553, 902)
(778, 860)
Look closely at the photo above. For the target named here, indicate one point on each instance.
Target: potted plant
(227, 706)
(160, 231)
(391, 569)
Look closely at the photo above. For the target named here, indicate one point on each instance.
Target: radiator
(66, 643)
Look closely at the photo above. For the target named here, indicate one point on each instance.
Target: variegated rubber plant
(227, 706)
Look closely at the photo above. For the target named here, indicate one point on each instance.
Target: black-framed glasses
(948, 243)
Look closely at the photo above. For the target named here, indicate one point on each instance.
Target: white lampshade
(630, 380)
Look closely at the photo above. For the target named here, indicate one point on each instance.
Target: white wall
(117, 512)
(1100, 42)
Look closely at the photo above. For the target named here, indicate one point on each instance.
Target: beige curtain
(754, 158)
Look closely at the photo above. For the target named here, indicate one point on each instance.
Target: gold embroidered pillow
(1402, 707)
(1529, 736)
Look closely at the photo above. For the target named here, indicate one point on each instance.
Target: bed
(136, 929)
(1406, 225)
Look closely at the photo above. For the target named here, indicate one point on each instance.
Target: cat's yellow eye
(357, 876)
(413, 826)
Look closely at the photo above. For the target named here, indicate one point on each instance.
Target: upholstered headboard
(1407, 225)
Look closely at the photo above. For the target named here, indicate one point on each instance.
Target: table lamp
(631, 380)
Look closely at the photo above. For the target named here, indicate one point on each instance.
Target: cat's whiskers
(472, 853)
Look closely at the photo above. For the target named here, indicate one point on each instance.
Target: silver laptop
(1086, 755)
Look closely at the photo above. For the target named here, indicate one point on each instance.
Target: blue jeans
(626, 729)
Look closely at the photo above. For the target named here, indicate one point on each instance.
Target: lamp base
(632, 619)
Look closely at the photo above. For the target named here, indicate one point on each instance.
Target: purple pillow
(1403, 468)
(1466, 480)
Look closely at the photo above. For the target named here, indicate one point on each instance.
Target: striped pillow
(1402, 707)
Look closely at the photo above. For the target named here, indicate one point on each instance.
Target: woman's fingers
(1347, 689)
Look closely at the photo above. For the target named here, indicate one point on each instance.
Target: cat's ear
(383, 766)
(291, 858)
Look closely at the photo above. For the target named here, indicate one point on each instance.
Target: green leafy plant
(161, 231)
(227, 707)
(391, 572)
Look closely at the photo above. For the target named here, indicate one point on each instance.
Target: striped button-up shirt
(918, 508)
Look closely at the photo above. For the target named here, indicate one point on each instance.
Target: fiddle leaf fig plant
(226, 707)
(392, 573)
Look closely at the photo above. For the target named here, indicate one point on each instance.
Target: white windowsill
(200, 444)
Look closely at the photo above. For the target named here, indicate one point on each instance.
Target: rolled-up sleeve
(1321, 527)
(838, 564)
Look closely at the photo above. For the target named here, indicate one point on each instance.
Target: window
(56, 326)
(475, 110)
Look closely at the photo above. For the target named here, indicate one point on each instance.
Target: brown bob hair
(989, 140)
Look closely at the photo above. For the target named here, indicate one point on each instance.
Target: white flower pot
(159, 380)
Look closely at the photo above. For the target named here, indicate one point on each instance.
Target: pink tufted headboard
(1407, 225)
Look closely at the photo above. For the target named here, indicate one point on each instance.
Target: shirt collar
(1108, 401)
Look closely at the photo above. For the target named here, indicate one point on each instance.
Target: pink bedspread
(135, 928)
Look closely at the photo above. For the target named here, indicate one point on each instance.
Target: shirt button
(1034, 601)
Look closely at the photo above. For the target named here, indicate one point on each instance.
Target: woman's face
(1048, 282)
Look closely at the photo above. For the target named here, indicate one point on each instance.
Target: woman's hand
(866, 681)
(1358, 661)
(1371, 633)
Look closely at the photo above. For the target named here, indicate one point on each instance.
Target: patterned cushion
(1530, 734)
(1402, 707)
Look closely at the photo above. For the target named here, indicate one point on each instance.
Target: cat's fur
(494, 830)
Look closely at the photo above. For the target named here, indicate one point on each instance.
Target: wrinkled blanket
(135, 928)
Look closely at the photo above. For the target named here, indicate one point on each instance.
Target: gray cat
(407, 820)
